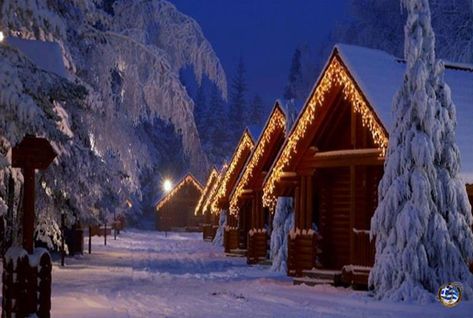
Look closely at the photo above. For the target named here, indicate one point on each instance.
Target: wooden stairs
(237, 252)
(316, 276)
(349, 275)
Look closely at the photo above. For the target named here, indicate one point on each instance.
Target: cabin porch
(258, 235)
(335, 198)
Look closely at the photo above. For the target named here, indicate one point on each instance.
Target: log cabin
(332, 160)
(221, 199)
(245, 201)
(206, 205)
(175, 210)
(208, 225)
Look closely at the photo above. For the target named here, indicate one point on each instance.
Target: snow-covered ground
(145, 274)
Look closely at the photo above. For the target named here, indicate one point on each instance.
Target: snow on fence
(25, 275)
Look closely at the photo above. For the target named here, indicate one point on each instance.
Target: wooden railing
(207, 230)
(364, 248)
(230, 239)
(257, 247)
(301, 253)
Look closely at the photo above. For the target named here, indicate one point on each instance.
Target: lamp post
(114, 224)
(63, 232)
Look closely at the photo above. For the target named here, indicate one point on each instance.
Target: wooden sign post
(30, 154)
(27, 286)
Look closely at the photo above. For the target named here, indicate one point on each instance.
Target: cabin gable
(208, 186)
(265, 150)
(335, 86)
(239, 158)
(176, 209)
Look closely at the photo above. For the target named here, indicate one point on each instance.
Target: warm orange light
(335, 74)
(167, 185)
(172, 191)
(246, 144)
(208, 187)
(277, 122)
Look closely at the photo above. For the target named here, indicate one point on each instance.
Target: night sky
(265, 33)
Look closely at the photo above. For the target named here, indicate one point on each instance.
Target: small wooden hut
(254, 220)
(175, 210)
(332, 160)
(221, 198)
(208, 225)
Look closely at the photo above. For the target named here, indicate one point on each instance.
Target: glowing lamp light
(2, 37)
(167, 185)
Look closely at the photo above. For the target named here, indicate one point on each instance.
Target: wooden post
(254, 213)
(352, 211)
(105, 234)
(353, 131)
(30, 154)
(302, 200)
(28, 209)
(63, 232)
(114, 225)
(309, 201)
(90, 239)
(297, 207)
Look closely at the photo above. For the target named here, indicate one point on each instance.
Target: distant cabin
(245, 199)
(332, 160)
(220, 200)
(175, 210)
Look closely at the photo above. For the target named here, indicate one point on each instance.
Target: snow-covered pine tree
(283, 222)
(137, 50)
(237, 101)
(294, 80)
(422, 221)
(378, 24)
(218, 144)
(257, 111)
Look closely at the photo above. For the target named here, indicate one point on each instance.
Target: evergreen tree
(257, 111)
(283, 222)
(217, 146)
(294, 80)
(200, 112)
(422, 223)
(237, 111)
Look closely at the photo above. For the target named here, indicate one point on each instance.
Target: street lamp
(2, 37)
(167, 185)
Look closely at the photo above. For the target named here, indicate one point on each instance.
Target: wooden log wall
(257, 247)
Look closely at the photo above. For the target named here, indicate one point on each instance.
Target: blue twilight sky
(265, 33)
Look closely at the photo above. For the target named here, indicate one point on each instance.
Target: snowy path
(144, 274)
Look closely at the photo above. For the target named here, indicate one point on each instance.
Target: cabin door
(244, 224)
(333, 205)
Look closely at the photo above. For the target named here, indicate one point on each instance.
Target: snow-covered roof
(380, 76)
(46, 55)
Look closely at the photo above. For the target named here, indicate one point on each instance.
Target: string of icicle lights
(277, 122)
(170, 195)
(246, 144)
(335, 74)
(210, 181)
